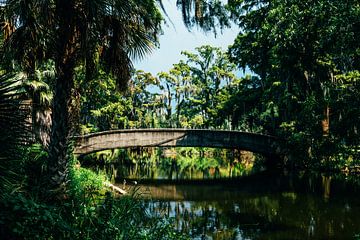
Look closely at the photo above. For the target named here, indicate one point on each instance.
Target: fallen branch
(115, 188)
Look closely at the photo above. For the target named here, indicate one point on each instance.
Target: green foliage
(111, 218)
(208, 15)
(209, 162)
(26, 218)
(307, 57)
(103, 107)
(85, 184)
(14, 131)
(191, 94)
(103, 216)
(88, 211)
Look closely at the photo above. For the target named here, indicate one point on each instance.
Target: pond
(226, 202)
(265, 206)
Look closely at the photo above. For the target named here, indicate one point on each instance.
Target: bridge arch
(257, 143)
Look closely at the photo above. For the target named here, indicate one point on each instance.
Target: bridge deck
(125, 138)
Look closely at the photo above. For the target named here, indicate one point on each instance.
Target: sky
(177, 38)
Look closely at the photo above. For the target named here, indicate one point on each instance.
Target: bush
(24, 218)
(88, 212)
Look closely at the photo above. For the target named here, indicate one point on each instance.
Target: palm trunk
(61, 128)
(59, 154)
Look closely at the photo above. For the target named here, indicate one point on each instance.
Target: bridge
(127, 138)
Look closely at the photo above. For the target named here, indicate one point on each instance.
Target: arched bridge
(126, 138)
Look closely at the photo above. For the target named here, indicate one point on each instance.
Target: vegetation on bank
(68, 59)
(87, 210)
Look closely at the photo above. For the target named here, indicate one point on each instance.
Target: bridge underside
(257, 143)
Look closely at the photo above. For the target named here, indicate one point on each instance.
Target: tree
(72, 33)
(294, 43)
(210, 71)
(240, 107)
(104, 107)
(178, 87)
(197, 87)
(142, 103)
(299, 49)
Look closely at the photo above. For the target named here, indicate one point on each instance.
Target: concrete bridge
(257, 143)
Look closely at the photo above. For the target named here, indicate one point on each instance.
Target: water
(266, 206)
(217, 204)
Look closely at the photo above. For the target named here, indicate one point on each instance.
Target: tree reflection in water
(147, 164)
(296, 209)
(205, 201)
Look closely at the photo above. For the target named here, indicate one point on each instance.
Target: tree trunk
(60, 132)
(40, 114)
(325, 123)
(59, 154)
(168, 105)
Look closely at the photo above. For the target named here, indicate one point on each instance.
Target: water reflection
(214, 164)
(209, 198)
(260, 207)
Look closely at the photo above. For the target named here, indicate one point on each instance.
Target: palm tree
(40, 94)
(72, 33)
(14, 130)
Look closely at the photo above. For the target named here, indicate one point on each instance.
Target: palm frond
(14, 130)
(28, 39)
(130, 30)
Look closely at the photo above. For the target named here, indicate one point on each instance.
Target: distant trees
(192, 95)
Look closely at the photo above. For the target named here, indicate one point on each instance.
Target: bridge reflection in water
(257, 143)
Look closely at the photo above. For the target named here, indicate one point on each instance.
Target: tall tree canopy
(303, 52)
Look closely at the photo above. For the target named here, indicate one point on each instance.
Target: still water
(265, 206)
(214, 203)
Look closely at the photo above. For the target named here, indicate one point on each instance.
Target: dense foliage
(70, 58)
(306, 54)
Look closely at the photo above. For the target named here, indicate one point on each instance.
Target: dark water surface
(265, 206)
(214, 205)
